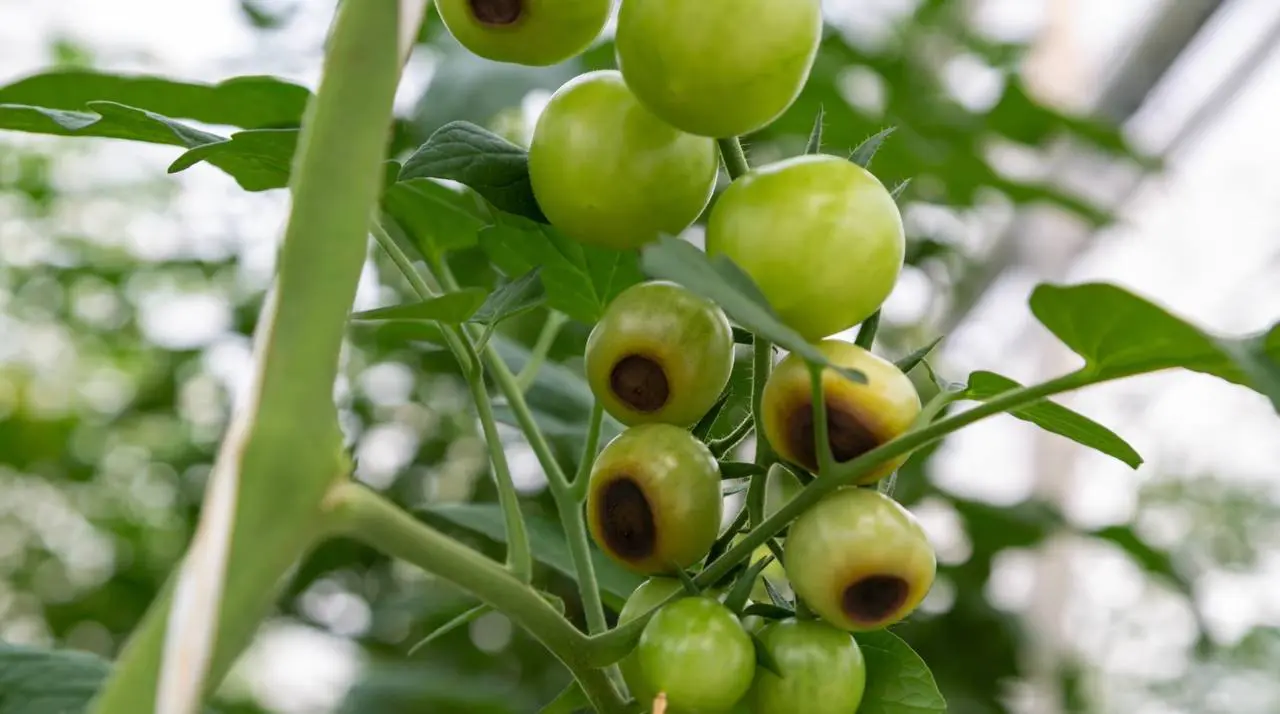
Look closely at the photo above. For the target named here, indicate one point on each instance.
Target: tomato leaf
(38, 681)
(740, 593)
(898, 681)
(580, 280)
(814, 145)
(496, 168)
(569, 701)
(724, 283)
(511, 298)
(1055, 418)
(1120, 334)
(769, 612)
(437, 218)
(701, 430)
(251, 102)
(549, 546)
(867, 149)
(258, 159)
(451, 308)
(104, 119)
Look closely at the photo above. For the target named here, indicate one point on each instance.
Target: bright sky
(1202, 239)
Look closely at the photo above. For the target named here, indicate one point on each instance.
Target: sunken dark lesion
(640, 382)
(497, 12)
(626, 520)
(847, 433)
(874, 598)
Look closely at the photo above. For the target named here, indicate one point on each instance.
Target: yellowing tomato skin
(607, 172)
(718, 68)
(820, 235)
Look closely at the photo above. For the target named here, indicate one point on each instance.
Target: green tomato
(653, 501)
(823, 668)
(859, 559)
(608, 172)
(860, 417)
(718, 68)
(695, 651)
(820, 235)
(650, 594)
(659, 354)
(529, 32)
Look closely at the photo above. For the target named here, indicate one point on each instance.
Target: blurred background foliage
(108, 428)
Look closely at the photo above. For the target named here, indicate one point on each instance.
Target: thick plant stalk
(283, 449)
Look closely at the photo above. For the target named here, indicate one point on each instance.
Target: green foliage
(520, 269)
(36, 681)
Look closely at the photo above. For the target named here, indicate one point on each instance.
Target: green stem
(360, 513)
(546, 338)
(583, 478)
(821, 435)
(735, 159)
(761, 366)
(519, 550)
(283, 449)
(612, 646)
(571, 519)
(867, 333)
(721, 447)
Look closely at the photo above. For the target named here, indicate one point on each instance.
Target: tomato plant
(680, 362)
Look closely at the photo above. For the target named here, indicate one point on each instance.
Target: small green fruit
(648, 596)
(696, 652)
(607, 172)
(860, 417)
(718, 68)
(859, 559)
(653, 502)
(529, 32)
(823, 670)
(659, 354)
(820, 235)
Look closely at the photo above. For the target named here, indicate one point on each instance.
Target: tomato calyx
(497, 13)
(641, 383)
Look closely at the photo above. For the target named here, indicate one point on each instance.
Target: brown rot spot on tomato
(626, 520)
(874, 598)
(640, 383)
(497, 12)
(848, 436)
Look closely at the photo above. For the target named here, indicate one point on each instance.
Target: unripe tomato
(718, 67)
(823, 670)
(696, 652)
(529, 32)
(608, 172)
(860, 417)
(820, 235)
(649, 595)
(653, 502)
(859, 559)
(659, 354)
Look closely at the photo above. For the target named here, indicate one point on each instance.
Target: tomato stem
(867, 332)
(735, 159)
(583, 478)
(357, 512)
(519, 550)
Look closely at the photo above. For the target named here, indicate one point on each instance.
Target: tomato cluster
(619, 158)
